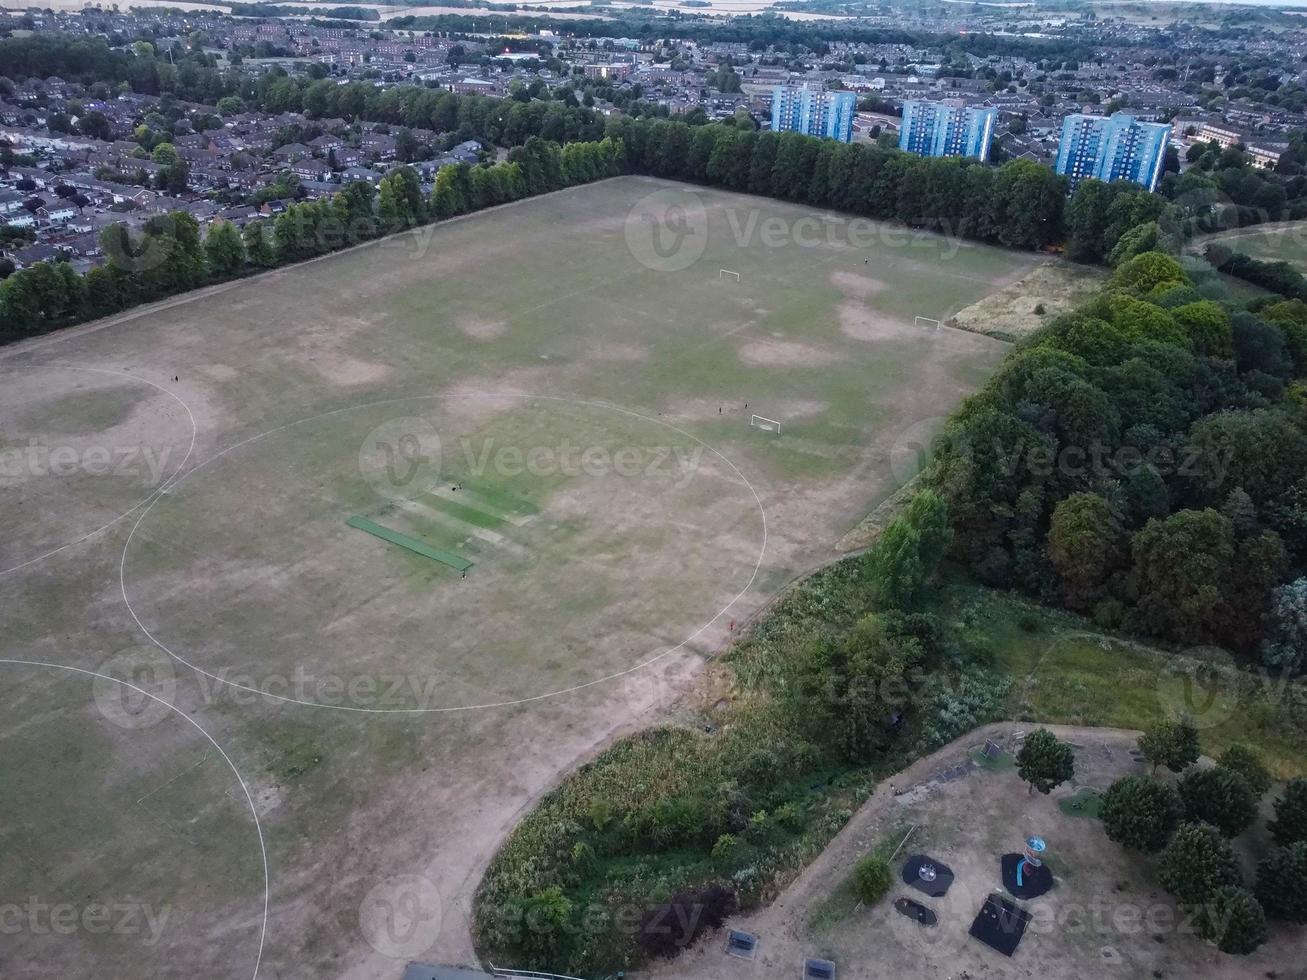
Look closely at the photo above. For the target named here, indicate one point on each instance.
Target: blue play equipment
(1035, 846)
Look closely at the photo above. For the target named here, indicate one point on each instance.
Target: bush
(1290, 823)
(1148, 270)
(1234, 920)
(1243, 760)
(1141, 813)
(1282, 883)
(872, 878)
(1044, 762)
(1173, 744)
(1220, 797)
(1196, 863)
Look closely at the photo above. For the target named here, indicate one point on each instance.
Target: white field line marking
(258, 827)
(173, 780)
(757, 567)
(150, 497)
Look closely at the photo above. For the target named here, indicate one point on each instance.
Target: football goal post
(767, 425)
(928, 323)
(728, 274)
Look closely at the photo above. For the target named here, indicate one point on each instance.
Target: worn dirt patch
(857, 285)
(481, 329)
(860, 323)
(783, 353)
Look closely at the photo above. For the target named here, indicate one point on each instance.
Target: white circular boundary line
(122, 565)
(258, 826)
(163, 484)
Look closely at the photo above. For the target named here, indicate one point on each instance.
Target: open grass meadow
(408, 530)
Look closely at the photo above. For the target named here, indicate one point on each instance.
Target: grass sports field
(1284, 241)
(414, 529)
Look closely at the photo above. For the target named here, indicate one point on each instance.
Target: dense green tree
(1149, 272)
(258, 248)
(1196, 863)
(1146, 237)
(1282, 883)
(908, 552)
(1171, 743)
(1044, 762)
(1262, 451)
(872, 878)
(1085, 545)
(1239, 758)
(1027, 205)
(1141, 813)
(1086, 220)
(1220, 797)
(1233, 919)
(224, 249)
(1181, 565)
(1285, 646)
(1290, 823)
(1208, 327)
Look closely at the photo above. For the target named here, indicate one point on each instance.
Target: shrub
(1282, 883)
(1243, 760)
(1044, 762)
(1148, 270)
(724, 847)
(1220, 797)
(1290, 823)
(872, 878)
(1234, 920)
(1197, 862)
(1173, 744)
(1141, 813)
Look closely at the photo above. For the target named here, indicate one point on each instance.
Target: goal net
(928, 323)
(767, 425)
(728, 274)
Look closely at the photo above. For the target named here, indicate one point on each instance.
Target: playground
(963, 808)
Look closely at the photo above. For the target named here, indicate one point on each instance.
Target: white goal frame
(764, 423)
(928, 322)
(723, 273)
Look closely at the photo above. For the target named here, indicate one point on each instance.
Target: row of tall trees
(170, 256)
(1019, 204)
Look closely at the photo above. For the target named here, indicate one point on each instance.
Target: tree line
(170, 256)
(1019, 205)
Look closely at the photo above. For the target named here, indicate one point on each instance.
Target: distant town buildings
(947, 129)
(813, 112)
(1115, 147)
